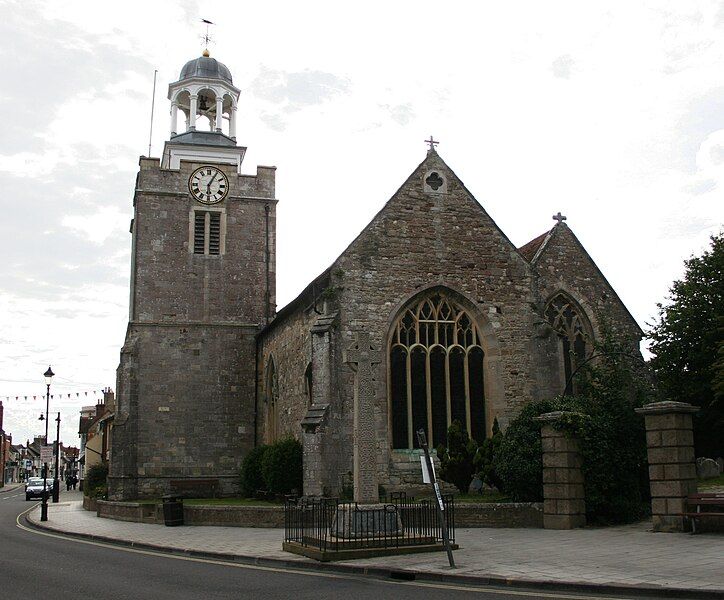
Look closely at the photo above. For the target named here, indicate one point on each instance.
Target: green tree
(688, 344)
(457, 459)
(252, 480)
(281, 467)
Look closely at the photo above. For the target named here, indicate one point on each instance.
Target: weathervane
(206, 38)
(432, 143)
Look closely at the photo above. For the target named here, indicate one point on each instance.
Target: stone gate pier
(564, 504)
(672, 471)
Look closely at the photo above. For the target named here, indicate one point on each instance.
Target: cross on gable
(432, 143)
(559, 217)
(361, 352)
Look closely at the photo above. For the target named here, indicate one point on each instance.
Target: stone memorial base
(348, 551)
(354, 521)
(363, 531)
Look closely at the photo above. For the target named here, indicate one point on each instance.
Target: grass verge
(711, 483)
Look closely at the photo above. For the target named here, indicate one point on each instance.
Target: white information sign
(46, 454)
(425, 473)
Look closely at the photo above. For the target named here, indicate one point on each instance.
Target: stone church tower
(202, 286)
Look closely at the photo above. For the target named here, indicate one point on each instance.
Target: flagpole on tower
(153, 104)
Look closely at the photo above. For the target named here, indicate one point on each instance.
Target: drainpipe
(267, 297)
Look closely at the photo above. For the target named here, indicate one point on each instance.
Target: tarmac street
(218, 562)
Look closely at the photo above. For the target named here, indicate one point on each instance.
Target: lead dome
(207, 67)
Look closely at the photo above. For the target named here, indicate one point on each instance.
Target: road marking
(292, 570)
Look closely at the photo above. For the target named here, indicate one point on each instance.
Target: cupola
(205, 88)
(205, 95)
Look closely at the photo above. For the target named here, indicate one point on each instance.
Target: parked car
(34, 488)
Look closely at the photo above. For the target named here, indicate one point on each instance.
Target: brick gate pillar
(672, 471)
(564, 504)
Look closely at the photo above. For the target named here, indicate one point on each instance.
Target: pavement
(628, 558)
(9, 487)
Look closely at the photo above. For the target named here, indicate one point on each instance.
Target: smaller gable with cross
(563, 264)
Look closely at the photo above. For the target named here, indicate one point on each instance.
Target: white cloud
(97, 227)
(563, 66)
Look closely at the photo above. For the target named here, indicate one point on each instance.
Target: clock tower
(202, 286)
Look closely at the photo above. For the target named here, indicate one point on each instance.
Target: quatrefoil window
(434, 181)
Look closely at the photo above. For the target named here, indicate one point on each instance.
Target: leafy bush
(484, 460)
(612, 440)
(456, 460)
(95, 478)
(251, 477)
(281, 467)
(519, 462)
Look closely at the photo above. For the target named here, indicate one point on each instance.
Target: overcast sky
(612, 113)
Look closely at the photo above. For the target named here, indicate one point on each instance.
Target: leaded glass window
(436, 372)
(570, 323)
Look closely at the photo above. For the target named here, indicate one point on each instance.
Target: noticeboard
(46, 454)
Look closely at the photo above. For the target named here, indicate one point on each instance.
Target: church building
(465, 325)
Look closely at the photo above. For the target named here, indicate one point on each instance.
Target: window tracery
(574, 332)
(436, 372)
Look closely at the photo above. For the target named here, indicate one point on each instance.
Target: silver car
(34, 488)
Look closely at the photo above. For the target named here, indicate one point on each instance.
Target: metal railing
(330, 525)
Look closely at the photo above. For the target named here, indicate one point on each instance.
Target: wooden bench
(202, 486)
(712, 504)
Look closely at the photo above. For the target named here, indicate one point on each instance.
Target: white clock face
(208, 185)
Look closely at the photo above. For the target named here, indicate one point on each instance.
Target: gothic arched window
(271, 398)
(436, 372)
(570, 323)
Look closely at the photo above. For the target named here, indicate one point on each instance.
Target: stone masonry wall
(186, 380)
(466, 515)
(293, 349)
(290, 347)
(194, 400)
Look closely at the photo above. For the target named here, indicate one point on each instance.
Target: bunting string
(67, 395)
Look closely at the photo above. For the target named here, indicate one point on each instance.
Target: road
(36, 565)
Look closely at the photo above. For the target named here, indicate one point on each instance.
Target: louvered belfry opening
(436, 372)
(570, 323)
(200, 232)
(214, 232)
(207, 232)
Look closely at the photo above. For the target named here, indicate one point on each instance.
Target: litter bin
(173, 511)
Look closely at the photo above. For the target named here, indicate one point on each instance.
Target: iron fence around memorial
(330, 525)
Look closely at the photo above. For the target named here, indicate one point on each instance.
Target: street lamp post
(56, 482)
(44, 506)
